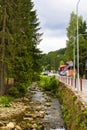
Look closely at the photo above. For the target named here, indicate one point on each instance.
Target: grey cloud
(54, 17)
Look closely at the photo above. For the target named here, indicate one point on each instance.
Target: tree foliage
(19, 37)
(51, 61)
(71, 34)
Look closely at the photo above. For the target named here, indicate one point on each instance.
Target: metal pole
(74, 60)
(78, 48)
(74, 56)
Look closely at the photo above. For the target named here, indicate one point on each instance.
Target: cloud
(54, 16)
(51, 44)
(54, 33)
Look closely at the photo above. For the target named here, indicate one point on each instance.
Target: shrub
(6, 101)
(17, 91)
(82, 120)
(48, 83)
(44, 82)
(53, 84)
(13, 91)
(74, 97)
(22, 88)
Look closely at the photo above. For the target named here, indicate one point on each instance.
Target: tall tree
(19, 35)
(2, 48)
(71, 34)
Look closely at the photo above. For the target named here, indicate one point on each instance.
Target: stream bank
(36, 111)
(74, 113)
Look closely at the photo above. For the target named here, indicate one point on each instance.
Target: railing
(71, 82)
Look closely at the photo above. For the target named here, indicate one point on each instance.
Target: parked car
(63, 73)
(45, 73)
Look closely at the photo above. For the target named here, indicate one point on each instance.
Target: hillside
(52, 60)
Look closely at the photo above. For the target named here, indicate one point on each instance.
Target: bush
(6, 101)
(13, 91)
(53, 84)
(22, 88)
(48, 83)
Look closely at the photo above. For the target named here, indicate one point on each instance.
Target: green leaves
(6, 101)
(51, 61)
(72, 40)
(49, 83)
(21, 36)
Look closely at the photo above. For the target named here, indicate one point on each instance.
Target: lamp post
(78, 48)
(74, 56)
(74, 51)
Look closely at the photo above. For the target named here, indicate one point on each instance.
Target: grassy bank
(74, 114)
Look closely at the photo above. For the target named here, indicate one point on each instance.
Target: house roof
(62, 66)
(70, 63)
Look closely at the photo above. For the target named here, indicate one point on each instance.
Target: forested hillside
(52, 60)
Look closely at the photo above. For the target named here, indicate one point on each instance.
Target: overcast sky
(54, 16)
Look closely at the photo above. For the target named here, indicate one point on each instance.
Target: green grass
(6, 101)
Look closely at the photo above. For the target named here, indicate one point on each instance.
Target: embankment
(74, 113)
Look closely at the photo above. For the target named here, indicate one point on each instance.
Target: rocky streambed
(38, 110)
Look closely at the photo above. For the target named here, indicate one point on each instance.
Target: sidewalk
(82, 95)
(73, 85)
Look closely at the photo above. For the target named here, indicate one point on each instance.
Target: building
(67, 69)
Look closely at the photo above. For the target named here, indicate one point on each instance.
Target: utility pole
(78, 77)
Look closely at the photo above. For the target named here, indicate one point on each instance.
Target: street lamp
(74, 56)
(74, 50)
(77, 48)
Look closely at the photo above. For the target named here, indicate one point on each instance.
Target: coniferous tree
(2, 46)
(19, 37)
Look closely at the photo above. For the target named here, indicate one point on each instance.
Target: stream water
(53, 118)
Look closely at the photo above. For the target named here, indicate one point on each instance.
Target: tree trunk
(2, 86)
